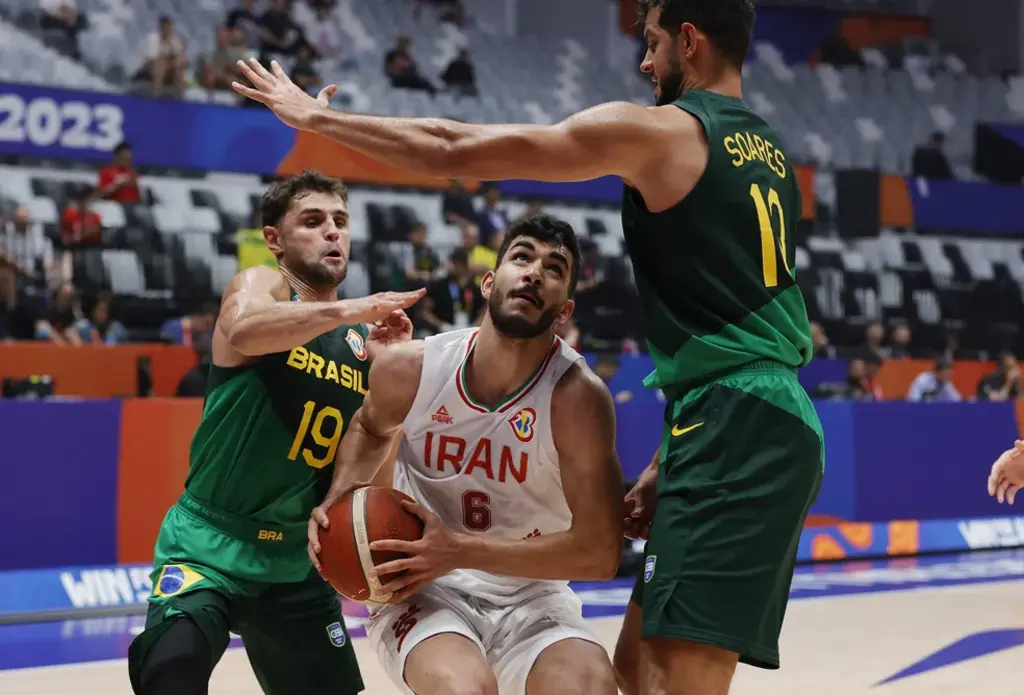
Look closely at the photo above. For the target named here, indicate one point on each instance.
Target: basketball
(365, 515)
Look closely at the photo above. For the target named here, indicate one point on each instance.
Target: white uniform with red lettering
(487, 471)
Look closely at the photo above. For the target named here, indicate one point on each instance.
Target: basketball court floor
(925, 626)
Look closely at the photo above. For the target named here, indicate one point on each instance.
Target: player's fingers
(279, 72)
(313, 535)
(1011, 493)
(394, 545)
(1004, 484)
(254, 78)
(313, 556)
(403, 565)
(325, 94)
(261, 71)
(417, 509)
(253, 94)
(1019, 445)
(320, 516)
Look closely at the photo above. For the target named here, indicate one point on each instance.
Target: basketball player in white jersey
(508, 446)
(1007, 474)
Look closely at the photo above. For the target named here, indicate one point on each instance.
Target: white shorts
(511, 637)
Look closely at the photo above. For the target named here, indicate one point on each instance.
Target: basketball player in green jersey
(709, 210)
(290, 365)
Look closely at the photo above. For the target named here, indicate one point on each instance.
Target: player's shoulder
(261, 279)
(580, 391)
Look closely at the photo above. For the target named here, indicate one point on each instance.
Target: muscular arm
(373, 433)
(583, 422)
(257, 316)
(609, 139)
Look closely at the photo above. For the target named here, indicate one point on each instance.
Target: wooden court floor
(952, 639)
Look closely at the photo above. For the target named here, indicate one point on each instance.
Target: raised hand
(282, 96)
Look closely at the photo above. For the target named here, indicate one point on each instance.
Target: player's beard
(517, 327)
(316, 274)
(671, 85)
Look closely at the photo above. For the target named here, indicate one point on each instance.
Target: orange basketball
(367, 514)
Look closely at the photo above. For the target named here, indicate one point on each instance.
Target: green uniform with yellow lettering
(231, 554)
(742, 452)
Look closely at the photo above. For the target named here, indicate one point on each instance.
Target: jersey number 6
(476, 510)
(328, 440)
(769, 266)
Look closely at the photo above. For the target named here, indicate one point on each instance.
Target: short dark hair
(549, 230)
(728, 23)
(279, 197)
(123, 146)
(459, 256)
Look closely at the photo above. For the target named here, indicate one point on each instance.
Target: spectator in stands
(457, 205)
(421, 262)
(460, 76)
(303, 72)
(874, 339)
(857, 386)
(935, 385)
(79, 224)
(166, 60)
(591, 269)
(63, 16)
(533, 208)
(25, 248)
(219, 69)
(244, 17)
(819, 342)
(480, 258)
(325, 36)
(873, 365)
(118, 180)
(279, 34)
(187, 329)
(100, 328)
(1002, 384)
(899, 342)
(401, 68)
(454, 301)
(929, 161)
(62, 313)
(491, 217)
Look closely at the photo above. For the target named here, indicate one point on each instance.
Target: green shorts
(741, 464)
(294, 633)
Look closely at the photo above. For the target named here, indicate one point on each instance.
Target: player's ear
(487, 284)
(273, 238)
(566, 313)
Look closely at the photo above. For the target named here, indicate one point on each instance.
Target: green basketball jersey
(263, 454)
(715, 272)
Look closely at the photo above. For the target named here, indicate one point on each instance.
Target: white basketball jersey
(484, 470)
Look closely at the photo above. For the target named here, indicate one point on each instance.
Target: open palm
(282, 96)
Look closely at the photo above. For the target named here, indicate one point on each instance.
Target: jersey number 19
(325, 440)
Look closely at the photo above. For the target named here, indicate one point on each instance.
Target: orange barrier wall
(896, 376)
(153, 462)
(97, 371)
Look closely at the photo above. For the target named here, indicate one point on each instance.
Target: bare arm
(258, 318)
(373, 433)
(616, 138)
(609, 139)
(583, 422)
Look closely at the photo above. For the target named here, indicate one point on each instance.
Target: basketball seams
(362, 542)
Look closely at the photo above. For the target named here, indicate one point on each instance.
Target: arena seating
(847, 117)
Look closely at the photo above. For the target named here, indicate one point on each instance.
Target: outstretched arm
(257, 318)
(610, 139)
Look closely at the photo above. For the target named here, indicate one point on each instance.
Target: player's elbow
(243, 338)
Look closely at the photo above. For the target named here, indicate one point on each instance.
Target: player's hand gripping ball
(362, 516)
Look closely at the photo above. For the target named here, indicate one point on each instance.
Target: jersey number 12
(769, 265)
(327, 417)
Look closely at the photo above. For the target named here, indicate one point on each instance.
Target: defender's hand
(1007, 475)
(377, 307)
(432, 556)
(396, 328)
(640, 504)
(318, 520)
(282, 96)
